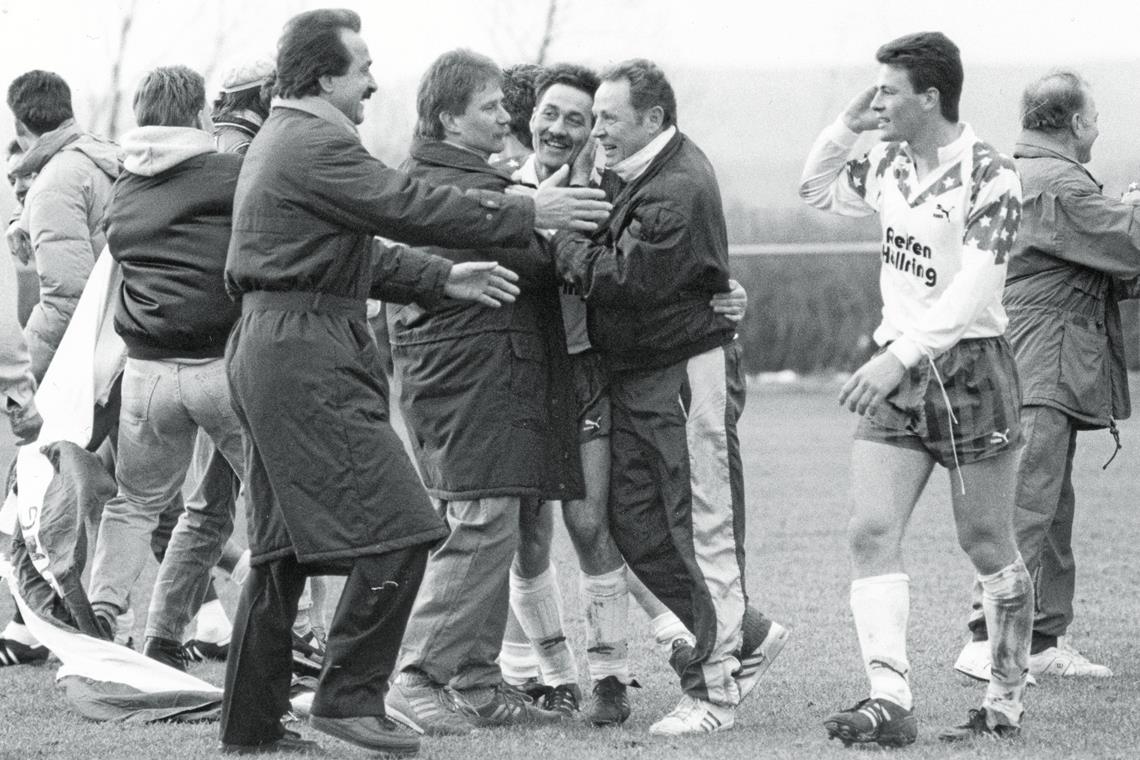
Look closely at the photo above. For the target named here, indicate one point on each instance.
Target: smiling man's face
(561, 125)
(618, 127)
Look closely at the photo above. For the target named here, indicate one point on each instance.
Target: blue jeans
(164, 404)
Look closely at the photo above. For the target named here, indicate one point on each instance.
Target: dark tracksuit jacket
(677, 389)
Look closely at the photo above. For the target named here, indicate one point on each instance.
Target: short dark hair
(169, 96)
(569, 74)
(448, 86)
(1048, 104)
(311, 48)
(519, 98)
(41, 100)
(930, 60)
(648, 87)
(250, 99)
(14, 148)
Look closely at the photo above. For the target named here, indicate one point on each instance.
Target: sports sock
(302, 624)
(1007, 598)
(538, 606)
(881, 606)
(241, 569)
(667, 628)
(18, 632)
(606, 598)
(516, 656)
(213, 627)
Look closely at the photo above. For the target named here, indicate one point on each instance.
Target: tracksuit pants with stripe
(677, 503)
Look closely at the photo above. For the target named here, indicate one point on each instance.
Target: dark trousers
(677, 504)
(364, 639)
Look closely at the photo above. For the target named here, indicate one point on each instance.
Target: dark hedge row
(807, 312)
(816, 312)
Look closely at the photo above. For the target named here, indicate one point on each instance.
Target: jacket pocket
(1082, 377)
(527, 381)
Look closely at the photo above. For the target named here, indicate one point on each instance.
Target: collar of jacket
(1026, 147)
(629, 169)
(442, 153)
(47, 145)
(527, 174)
(655, 165)
(319, 107)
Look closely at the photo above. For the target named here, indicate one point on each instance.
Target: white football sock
(518, 663)
(538, 606)
(606, 599)
(881, 606)
(241, 569)
(667, 628)
(1007, 599)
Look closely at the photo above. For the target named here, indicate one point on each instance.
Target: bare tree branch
(547, 32)
(117, 70)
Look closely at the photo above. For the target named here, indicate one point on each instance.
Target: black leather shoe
(291, 741)
(377, 733)
(166, 651)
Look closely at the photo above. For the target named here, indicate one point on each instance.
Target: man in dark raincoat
(331, 490)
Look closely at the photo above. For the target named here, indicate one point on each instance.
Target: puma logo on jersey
(997, 438)
(942, 213)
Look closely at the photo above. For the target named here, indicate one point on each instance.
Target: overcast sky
(78, 38)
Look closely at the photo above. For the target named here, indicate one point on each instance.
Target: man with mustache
(330, 488)
(560, 126)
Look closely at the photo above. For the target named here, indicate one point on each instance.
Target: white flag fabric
(104, 680)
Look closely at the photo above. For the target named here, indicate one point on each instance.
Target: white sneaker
(755, 663)
(1065, 661)
(695, 716)
(974, 661)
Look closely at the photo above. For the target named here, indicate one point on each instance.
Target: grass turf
(796, 443)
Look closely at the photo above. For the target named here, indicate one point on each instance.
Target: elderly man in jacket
(1074, 249)
(65, 205)
(490, 410)
(676, 389)
(330, 488)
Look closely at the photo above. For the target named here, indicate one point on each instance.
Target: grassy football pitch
(796, 442)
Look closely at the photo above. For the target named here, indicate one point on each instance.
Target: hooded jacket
(168, 226)
(64, 211)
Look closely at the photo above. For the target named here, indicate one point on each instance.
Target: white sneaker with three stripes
(695, 716)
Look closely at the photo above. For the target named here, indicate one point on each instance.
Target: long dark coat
(488, 393)
(327, 477)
